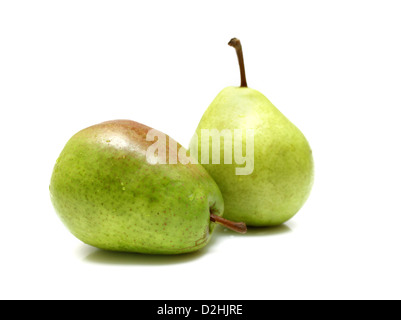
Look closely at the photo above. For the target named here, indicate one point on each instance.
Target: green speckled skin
(110, 197)
(283, 169)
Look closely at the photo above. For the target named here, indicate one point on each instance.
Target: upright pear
(279, 177)
(112, 195)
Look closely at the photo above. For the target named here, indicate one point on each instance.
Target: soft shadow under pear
(126, 258)
(256, 231)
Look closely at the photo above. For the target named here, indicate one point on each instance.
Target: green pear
(111, 196)
(280, 174)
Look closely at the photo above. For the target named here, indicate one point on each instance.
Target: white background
(332, 67)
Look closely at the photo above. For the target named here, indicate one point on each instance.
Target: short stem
(235, 43)
(235, 226)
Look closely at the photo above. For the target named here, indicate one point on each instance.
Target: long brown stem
(235, 226)
(235, 43)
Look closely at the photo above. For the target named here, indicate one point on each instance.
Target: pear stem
(239, 227)
(236, 44)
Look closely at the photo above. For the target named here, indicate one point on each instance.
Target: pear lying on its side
(109, 196)
(282, 175)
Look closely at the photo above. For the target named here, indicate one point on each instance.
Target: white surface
(333, 68)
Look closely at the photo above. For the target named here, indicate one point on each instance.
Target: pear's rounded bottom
(150, 251)
(259, 219)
